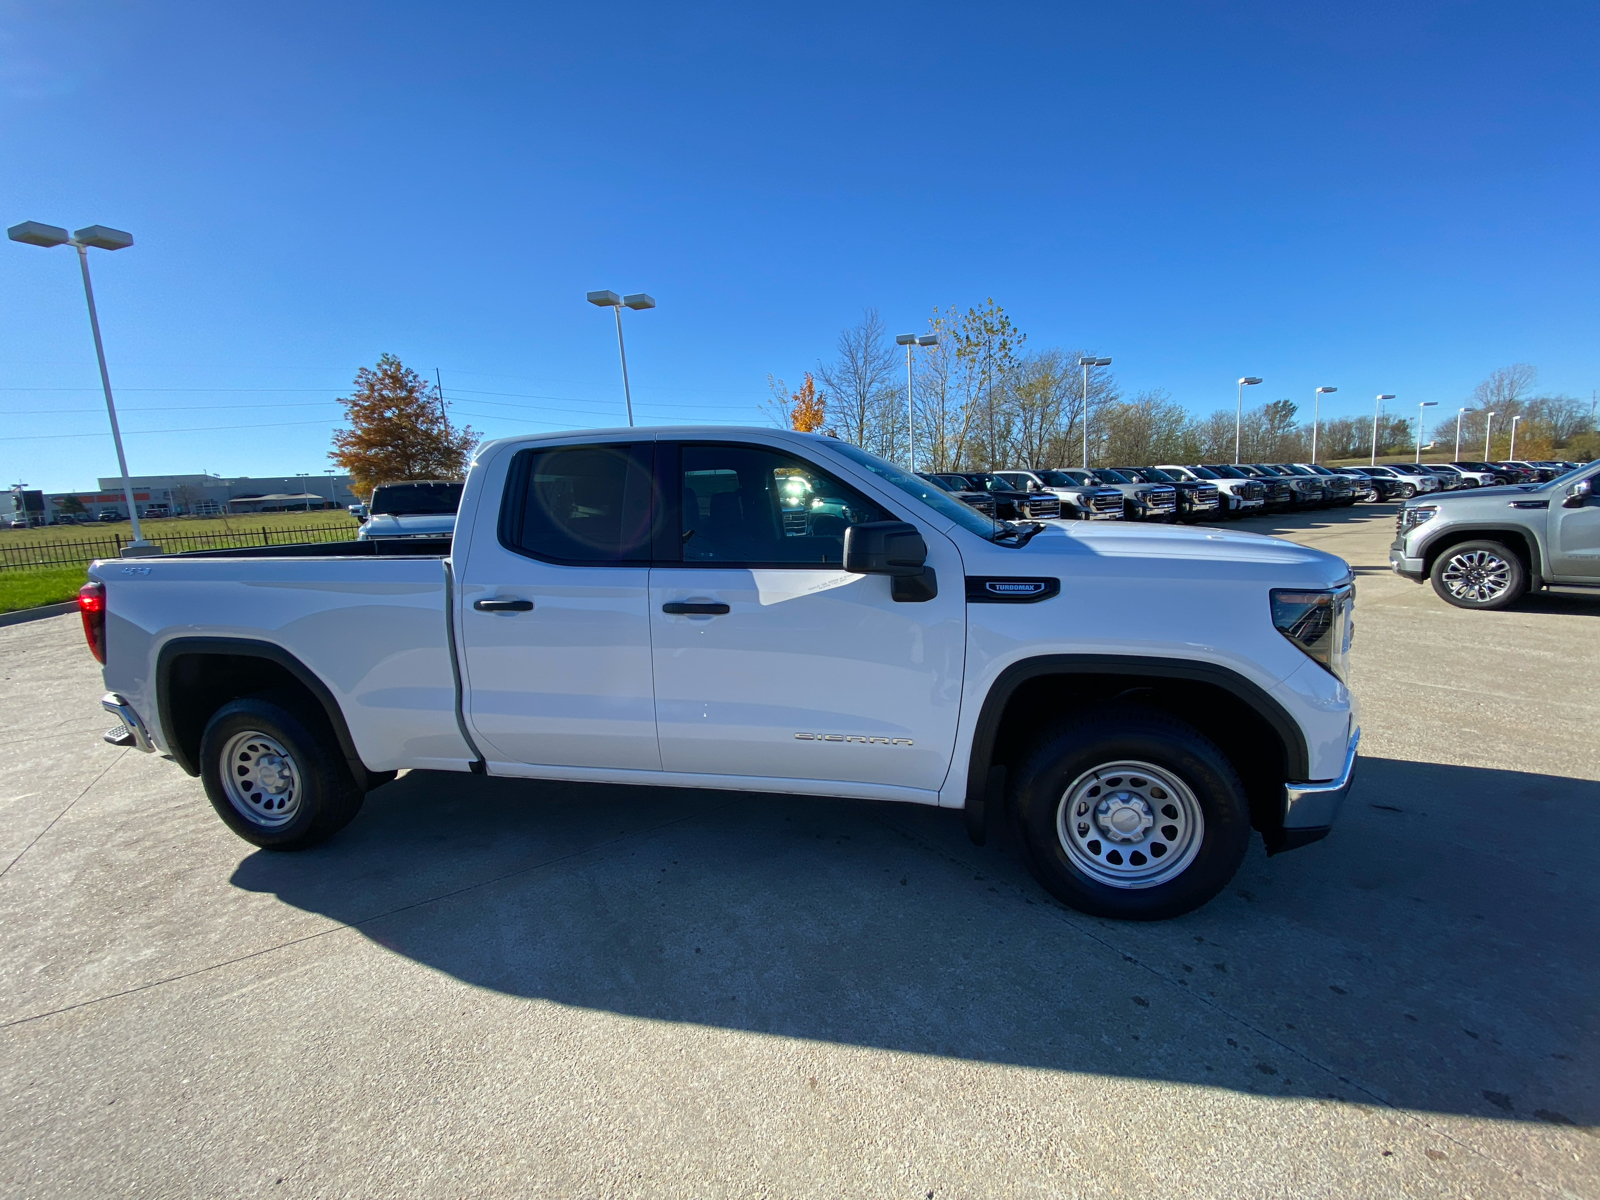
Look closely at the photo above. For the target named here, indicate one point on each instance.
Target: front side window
(580, 504)
(947, 507)
(758, 507)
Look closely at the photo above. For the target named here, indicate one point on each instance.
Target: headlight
(1320, 623)
(1410, 518)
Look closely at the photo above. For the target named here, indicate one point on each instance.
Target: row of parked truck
(1171, 492)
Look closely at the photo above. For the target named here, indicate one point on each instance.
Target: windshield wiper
(1022, 533)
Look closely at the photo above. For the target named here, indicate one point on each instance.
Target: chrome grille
(1162, 498)
(1043, 506)
(794, 522)
(1106, 502)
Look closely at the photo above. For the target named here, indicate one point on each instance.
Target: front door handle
(677, 608)
(503, 604)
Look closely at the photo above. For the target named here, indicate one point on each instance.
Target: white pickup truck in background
(765, 611)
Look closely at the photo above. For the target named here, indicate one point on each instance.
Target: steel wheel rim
(1477, 575)
(1130, 824)
(261, 779)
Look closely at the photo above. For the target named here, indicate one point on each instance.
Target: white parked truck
(655, 607)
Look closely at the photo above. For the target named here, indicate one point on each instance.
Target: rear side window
(416, 499)
(580, 504)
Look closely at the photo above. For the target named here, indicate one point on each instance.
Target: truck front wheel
(1484, 575)
(277, 779)
(1131, 814)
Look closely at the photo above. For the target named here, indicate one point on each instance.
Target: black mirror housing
(1577, 494)
(884, 548)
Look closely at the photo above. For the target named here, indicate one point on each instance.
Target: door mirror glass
(1578, 493)
(884, 548)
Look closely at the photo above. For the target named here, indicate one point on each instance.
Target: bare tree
(861, 385)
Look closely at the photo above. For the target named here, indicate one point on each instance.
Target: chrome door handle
(503, 604)
(677, 608)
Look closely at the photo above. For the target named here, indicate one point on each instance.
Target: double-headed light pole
(1488, 430)
(1086, 363)
(1377, 407)
(908, 340)
(1316, 416)
(35, 233)
(1460, 412)
(1238, 416)
(638, 302)
(1511, 454)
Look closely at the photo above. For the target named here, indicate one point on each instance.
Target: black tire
(1479, 575)
(272, 746)
(1064, 764)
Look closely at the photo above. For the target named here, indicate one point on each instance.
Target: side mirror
(1578, 493)
(884, 548)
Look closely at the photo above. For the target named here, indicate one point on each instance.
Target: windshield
(1220, 471)
(1188, 472)
(1153, 475)
(1057, 479)
(416, 499)
(930, 494)
(1107, 475)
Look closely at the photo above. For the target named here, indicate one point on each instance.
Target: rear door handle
(503, 604)
(676, 608)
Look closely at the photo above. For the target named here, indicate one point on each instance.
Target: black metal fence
(33, 556)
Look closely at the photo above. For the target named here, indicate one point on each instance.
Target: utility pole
(443, 416)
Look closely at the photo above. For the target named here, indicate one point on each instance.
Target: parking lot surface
(489, 987)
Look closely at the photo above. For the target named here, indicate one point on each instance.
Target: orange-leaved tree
(398, 430)
(808, 408)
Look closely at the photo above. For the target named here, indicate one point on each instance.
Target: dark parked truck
(642, 607)
(1487, 547)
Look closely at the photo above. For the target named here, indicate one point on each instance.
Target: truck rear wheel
(276, 779)
(1482, 575)
(1131, 814)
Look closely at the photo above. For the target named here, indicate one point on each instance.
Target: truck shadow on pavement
(1436, 953)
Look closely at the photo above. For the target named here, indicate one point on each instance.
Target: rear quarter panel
(372, 630)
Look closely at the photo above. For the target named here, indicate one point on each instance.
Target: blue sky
(1375, 197)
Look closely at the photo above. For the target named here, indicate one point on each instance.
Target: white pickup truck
(763, 611)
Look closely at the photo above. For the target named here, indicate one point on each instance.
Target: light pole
(909, 340)
(1511, 455)
(305, 487)
(1460, 412)
(333, 501)
(34, 233)
(1488, 430)
(1238, 416)
(1086, 363)
(638, 302)
(1376, 409)
(1420, 407)
(1316, 414)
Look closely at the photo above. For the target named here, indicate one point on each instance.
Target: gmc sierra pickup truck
(1487, 547)
(658, 607)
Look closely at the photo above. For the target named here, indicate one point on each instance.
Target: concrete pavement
(488, 987)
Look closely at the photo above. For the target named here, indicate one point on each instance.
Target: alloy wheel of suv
(1481, 575)
(1407, 490)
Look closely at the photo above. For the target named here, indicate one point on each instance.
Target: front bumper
(1403, 564)
(1310, 808)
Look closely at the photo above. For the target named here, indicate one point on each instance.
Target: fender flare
(1501, 529)
(181, 647)
(1296, 754)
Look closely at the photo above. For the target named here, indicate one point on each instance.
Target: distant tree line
(984, 401)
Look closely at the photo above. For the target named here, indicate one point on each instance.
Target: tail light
(92, 607)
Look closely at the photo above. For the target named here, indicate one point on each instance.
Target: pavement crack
(62, 813)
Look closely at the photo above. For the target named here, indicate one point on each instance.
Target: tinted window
(1107, 475)
(580, 504)
(751, 506)
(1058, 479)
(416, 499)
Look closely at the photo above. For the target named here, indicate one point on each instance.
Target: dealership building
(179, 495)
